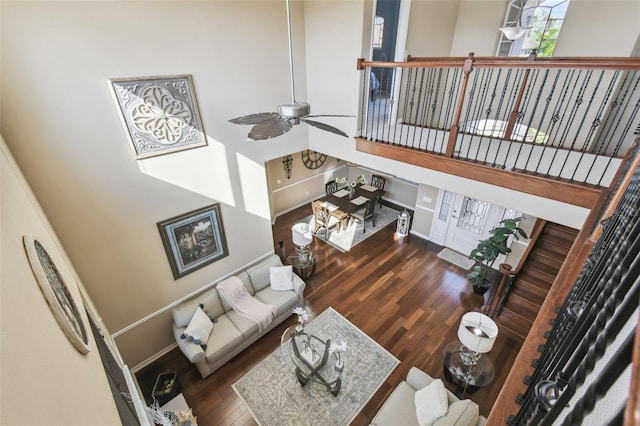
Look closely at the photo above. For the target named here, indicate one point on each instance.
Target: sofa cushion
(398, 408)
(285, 301)
(199, 328)
(259, 273)
(224, 338)
(431, 403)
(244, 277)
(210, 302)
(281, 277)
(460, 413)
(245, 325)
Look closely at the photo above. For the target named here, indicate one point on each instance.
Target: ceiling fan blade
(270, 128)
(254, 118)
(325, 127)
(329, 115)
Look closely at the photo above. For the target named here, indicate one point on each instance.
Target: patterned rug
(348, 238)
(456, 258)
(274, 396)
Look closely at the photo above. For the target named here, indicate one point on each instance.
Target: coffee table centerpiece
(309, 357)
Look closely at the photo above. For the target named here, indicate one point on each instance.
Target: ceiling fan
(271, 124)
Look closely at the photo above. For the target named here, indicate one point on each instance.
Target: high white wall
(59, 120)
(45, 380)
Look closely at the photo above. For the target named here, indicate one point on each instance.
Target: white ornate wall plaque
(160, 114)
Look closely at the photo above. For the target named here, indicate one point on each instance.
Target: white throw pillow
(199, 328)
(281, 277)
(431, 403)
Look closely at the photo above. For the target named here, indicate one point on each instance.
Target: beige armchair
(400, 407)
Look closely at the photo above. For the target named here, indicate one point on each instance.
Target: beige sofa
(400, 408)
(231, 332)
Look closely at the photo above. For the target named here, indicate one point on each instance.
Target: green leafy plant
(487, 251)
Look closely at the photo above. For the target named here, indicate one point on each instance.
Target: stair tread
(534, 280)
(560, 231)
(525, 307)
(540, 271)
(553, 247)
(534, 298)
(540, 256)
(512, 324)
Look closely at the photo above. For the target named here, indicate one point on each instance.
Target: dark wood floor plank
(396, 290)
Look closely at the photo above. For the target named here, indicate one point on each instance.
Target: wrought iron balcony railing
(566, 118)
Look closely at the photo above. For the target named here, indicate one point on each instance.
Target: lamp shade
(477, 332)
(301, 233)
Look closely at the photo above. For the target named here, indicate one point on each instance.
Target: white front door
(461, 221)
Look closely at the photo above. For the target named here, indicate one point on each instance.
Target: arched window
(542, 20)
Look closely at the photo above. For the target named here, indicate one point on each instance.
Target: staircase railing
(565, 118)
(589, 345)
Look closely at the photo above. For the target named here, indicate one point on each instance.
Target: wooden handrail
(500, 291)
(536, 231)
(635, 163)
(601, 63)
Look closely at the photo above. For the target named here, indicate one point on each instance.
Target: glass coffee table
(466, 377)
(308, 356)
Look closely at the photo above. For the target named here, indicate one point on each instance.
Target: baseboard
(418, 234)
(153, 358)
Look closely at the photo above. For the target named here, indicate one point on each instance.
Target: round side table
(304, 269)
(466, 378)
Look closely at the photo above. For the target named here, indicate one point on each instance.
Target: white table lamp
(302, 238)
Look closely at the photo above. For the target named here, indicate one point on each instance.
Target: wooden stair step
(547, 275)
(561, 231)
(543, 264)
(525, 307)
(554, 250)
(535, 280)
(513, 325)
(540, 256)
(535, 297)
(532, 286)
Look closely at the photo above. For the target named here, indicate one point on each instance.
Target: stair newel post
(500, 293)
(467, 67)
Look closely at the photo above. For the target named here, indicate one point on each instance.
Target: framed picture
(160, 114)
(193, 240)
(57, 294)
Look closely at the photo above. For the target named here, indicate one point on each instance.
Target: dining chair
(378, 181)
(322, 218)
(366, 213)
(331, 187)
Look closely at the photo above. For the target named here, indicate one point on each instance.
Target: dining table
(346, 201)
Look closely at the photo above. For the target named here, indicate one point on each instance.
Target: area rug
(348, 238)
(456, 258)
(274, 396)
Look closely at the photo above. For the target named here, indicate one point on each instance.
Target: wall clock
(57, 294)
(312, 159)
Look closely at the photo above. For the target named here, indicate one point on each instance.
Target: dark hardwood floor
(396, 290)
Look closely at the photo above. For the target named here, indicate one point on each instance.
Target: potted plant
(487, 251)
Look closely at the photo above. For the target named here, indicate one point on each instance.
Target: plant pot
(480, 289)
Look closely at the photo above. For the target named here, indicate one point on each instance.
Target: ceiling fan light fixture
(514, 33)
